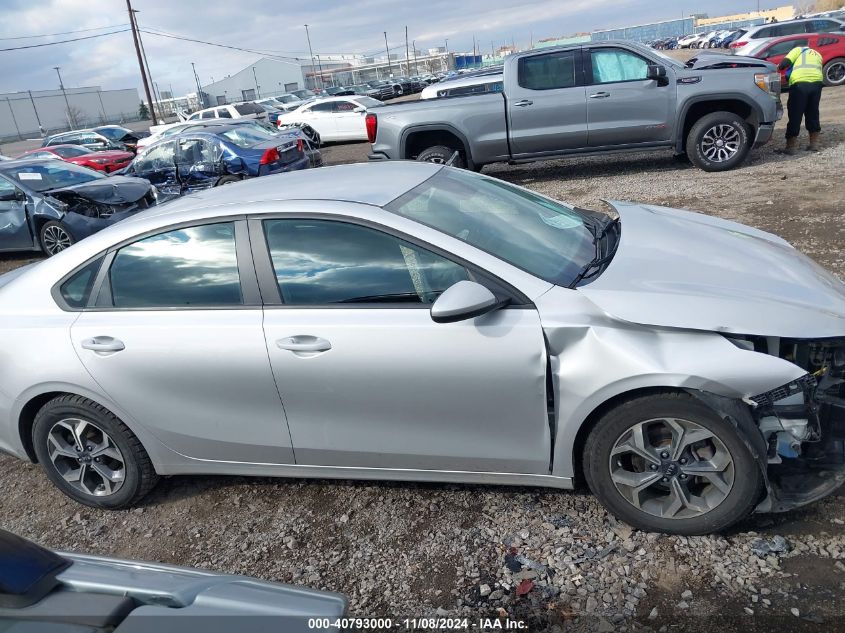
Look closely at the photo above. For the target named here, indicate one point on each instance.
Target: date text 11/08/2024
(417, 624)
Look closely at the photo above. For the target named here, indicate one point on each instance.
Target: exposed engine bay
(802, 422)
(77, 203)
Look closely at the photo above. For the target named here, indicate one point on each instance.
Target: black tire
(834, 72)
(705, 127)
(227, 180)
(139, 475)
(54, 237)
(441, 155)
(744, 493)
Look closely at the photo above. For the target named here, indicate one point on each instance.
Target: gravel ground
(555, 560)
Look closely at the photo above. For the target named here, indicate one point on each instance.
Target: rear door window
(549, 71)
(782, 48)
(223, 113)
(188, 267)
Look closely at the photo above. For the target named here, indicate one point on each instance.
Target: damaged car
(48, 204)
(214, 154)
(413, 321)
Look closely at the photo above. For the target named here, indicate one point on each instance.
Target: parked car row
(831, 46)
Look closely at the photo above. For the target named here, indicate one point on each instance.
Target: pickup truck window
(545, 238)
(547, 72)
(611, 65)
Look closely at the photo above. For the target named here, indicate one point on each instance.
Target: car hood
(112, 154)
(681, 269)
(111, 190)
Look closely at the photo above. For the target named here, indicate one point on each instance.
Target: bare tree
(75, 117)
(827, 5)
(803, 8)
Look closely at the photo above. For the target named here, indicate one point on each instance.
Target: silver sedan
(415, 322)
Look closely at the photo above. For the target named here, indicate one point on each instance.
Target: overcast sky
(337, 26)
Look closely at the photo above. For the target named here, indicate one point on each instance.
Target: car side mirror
(13, 196)
(360, 109)
(463, 300)
(658, 73)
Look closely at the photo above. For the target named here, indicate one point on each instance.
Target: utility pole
(14, 120)
(387, 50)
(257, 89)
(140, 60)
(35, 110)
(492, 50)
(200, 98)
(147, 65)
(62, 88)
(311, 52)
(407, 56)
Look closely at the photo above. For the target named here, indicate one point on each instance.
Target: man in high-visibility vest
(805, 91)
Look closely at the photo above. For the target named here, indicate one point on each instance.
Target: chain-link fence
(34, 114)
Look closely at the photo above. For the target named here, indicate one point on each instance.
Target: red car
(107, 161)
(830, 45)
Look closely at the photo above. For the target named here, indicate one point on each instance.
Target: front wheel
(440, 154)
(834, 72)
(668, 463)
(55, 237)
(718, 142)
(90, 455)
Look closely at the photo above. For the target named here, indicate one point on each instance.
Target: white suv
(246, 110)
(779, 29)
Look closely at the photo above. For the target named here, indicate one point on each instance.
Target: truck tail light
(371, 121)
(270, 156)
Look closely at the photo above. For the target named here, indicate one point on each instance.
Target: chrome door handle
(304, 344)
(523, 103)
(600, 95)
(103, 344)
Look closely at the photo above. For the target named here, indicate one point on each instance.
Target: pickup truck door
(547, 104)
(623, 106)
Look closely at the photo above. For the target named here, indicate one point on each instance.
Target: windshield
(247, 136)
(287, 99)
(545, 238)
(113, 133)
(53, 175)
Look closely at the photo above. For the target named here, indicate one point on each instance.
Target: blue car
(214, 154)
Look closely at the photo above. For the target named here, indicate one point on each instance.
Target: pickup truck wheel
(668, 463)
(834, 72)
(440, 154)
(718, 141)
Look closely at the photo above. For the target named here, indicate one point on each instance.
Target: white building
(23, 114)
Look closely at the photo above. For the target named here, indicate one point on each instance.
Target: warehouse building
(25, 114)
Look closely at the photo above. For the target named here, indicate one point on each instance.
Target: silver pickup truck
(591, 99)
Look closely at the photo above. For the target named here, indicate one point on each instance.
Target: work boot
(814, 142)
(791, 146)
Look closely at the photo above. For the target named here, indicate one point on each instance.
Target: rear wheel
(718, 141)
(668, 463)
(834, 72)
(227, 180)
(90, 455)
(55, 237)
(440, 154)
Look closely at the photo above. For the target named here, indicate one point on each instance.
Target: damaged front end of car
(802, 423)
(92, 207)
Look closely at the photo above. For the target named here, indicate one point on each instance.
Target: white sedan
(334, 118)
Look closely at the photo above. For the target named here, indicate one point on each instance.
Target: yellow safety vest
(806, 65)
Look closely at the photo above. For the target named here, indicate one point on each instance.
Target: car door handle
(304, 344)
(600, 95)
(103, 344)
(523, 103)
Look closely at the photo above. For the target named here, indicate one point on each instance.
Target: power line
(234, 48)
(97, 28)
(76, 39)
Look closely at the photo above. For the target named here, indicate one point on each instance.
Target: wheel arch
(417, 138)
(735, 103)
(732, 409)
(34, 400)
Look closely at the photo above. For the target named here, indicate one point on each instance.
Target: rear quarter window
(77, 289)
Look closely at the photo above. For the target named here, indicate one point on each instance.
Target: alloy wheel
(86, 457)
(671, 468)
(721, 143)
(55, 239)
(835, 73)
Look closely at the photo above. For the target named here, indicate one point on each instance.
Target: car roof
(374, 184)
